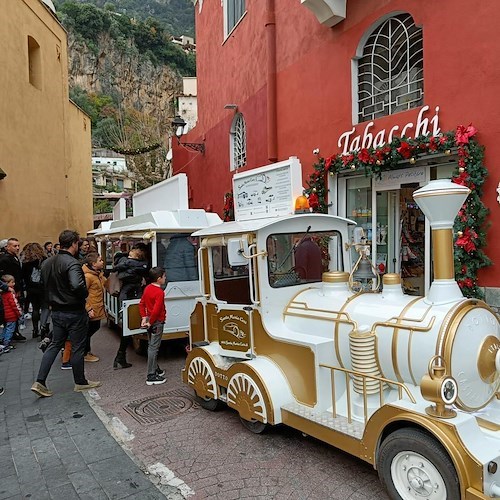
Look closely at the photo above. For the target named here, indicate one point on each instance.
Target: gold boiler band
(442, 248)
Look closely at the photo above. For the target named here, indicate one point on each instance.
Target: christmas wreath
(470, 224)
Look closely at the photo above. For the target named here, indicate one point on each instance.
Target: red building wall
(314, 86)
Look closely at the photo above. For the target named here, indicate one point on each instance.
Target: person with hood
(180, 259)
(132, 272)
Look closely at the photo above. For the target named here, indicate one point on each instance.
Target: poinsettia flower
(364, 155)
(433, 144)
(405, 150)
(328, 162)
(463, 134)
(346, 159)
(466, 240)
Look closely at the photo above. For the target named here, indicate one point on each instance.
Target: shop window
(233, 12)
(297, 258)
(34, 63)
(238, 142)
(390, 69)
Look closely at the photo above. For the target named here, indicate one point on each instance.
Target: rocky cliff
(115, 68)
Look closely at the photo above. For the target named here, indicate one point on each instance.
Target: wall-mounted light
(3, 175)
(179, 126)
(231, 106)
(498, 191)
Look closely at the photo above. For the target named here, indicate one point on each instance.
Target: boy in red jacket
(12, 311)
(153, 314)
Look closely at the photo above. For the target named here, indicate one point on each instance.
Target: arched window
(238, 142)
(391, 69)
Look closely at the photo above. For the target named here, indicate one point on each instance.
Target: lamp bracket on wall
(179, 126)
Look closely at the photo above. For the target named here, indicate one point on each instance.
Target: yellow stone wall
(45, 141)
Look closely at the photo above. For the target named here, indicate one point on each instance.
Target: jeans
(94, 325)
(72, 326)
(8, 331)
(155, 332)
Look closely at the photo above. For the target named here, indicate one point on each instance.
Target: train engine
(408, 384)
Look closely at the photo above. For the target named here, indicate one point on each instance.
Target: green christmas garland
(470, 224)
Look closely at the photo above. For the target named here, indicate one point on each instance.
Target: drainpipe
(272, 127)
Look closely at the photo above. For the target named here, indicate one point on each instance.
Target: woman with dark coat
(34, 255)
(132, 271)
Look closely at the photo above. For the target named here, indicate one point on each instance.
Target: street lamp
(178, 125)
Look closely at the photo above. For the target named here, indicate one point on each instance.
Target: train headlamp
(439, 388)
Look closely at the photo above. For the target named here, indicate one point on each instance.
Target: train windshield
(297, 258)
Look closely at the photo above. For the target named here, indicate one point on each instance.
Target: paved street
(75, 446)
(210, 454)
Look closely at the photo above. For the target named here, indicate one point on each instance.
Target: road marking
(167, 477)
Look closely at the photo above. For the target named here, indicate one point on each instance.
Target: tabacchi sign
(423, 126)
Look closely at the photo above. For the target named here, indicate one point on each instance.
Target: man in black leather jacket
(66, 291)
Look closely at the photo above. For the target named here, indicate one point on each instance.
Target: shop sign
(394, 179)
(423, 126)
(234, 330)
(268, 191)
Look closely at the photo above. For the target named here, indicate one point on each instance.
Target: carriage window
(297, 258)
(177, 253)
(231, 283)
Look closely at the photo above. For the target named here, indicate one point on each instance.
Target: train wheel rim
(414, 476)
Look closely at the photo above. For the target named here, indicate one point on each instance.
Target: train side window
(231, 283)
(297, 258)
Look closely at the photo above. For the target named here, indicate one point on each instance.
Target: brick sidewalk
(57, 447)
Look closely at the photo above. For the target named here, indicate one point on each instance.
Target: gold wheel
(201, 378)
(244, 395)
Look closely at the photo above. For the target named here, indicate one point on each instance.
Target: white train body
(408, 384)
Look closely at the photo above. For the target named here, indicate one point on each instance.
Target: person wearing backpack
(34, 255)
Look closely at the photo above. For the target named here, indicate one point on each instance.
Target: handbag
(114, 284)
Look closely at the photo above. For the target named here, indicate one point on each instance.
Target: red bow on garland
(463, 134)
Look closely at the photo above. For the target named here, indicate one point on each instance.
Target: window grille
(233, 12)
(238, 142)
(391, 69)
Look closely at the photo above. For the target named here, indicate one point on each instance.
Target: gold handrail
(401, 387)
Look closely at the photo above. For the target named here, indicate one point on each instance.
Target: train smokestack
(440, 201)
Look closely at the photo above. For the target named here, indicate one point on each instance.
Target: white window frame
(238, 142)
(413, 76)
(226, 5)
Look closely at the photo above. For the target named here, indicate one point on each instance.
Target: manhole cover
(162, 407)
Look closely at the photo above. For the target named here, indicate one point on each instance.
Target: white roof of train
(238, 227)
(176, 221)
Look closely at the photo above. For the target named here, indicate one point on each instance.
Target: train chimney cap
(440, 201)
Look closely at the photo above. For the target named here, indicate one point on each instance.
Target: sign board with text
(268, 191)
(394, 179)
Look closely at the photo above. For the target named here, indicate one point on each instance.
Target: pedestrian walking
(34, 256)
(153, 314)
(48, 247)
(66, 291)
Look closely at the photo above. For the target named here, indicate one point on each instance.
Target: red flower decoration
(432, 144)
(313, 201)
(466, 240)
(463, 134)
(346, 159)
(364, 156)
(328, 162)
(405, 150)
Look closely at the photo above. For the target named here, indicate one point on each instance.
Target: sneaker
(18, 337)
(91, 358)
(85, 387)
(44, 344)
(41, 390)
(66, 366)
(155, 379)
(2, 390)
(160, 372)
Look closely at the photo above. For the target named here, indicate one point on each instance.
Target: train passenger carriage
(284, 333)
(163, 223)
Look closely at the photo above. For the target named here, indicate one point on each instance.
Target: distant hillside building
(45, 139)
(188, 101)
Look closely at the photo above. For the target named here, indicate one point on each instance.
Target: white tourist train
(408, 384)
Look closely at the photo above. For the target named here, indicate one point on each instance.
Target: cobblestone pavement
(210, 454)
(57, 447)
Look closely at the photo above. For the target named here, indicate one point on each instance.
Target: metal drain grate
(162, 407)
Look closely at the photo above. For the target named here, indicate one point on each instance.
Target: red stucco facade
(314, 86)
